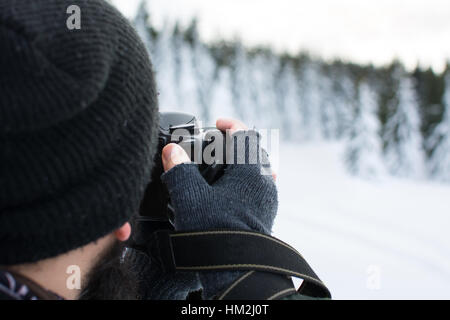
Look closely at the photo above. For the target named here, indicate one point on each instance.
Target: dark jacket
(17, 287)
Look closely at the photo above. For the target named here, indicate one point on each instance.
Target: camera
(206, 148)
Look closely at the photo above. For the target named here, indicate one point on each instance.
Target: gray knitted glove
(244, 198)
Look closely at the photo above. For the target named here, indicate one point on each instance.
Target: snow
(366, 239)
(375, 238)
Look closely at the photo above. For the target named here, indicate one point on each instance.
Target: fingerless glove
(244, 198)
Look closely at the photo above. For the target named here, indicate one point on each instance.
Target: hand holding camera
(243, 198)
(221, 213)
(223, 165)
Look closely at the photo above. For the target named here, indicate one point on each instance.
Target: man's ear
(123, 233)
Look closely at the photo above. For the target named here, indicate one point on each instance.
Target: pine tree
(288, 101)
(240, 83)
(184, 77)
(440, 158)
(363, 154)
(167, 70)
(344, 93)
(204, 70)
(262, 69)
(143, 26)
(404, 146)
(307, 98)
(328, 115)
(222, 97)
(311, 101)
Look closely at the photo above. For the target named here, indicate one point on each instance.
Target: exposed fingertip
(173, 155)
(224, 124)
(230, 125)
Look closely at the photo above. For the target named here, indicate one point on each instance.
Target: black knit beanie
(78, 120)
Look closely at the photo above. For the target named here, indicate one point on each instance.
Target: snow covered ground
(381, 239)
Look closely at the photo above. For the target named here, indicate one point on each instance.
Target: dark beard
(112, 277)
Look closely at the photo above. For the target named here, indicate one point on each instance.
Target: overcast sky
(357, 30)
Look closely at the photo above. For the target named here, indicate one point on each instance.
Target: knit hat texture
(78, 126)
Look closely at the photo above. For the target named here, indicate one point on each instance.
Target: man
(78, 134)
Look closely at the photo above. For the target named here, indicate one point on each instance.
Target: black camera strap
(269, 261)
(259, 285)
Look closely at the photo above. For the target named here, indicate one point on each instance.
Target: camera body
(183, 129)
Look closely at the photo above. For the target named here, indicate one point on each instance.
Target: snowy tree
(404, 150)
(440, 158)
(262, 70)
(344, 94)
(328, 116)
(363, 154)
(204, 69)
(288, 101)
(185, 80)
(165, 69)
(311, 101)
(240, 83)
(141, 23)
(308, 99)
(222, 98)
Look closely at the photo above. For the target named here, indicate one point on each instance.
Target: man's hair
(78, 120)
